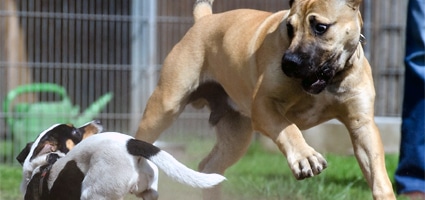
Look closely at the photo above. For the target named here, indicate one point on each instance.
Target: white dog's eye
(75, 132)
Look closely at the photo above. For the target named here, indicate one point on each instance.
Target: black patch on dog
(141, 148)
(37, 187)
(24, 153)
(52, 158)
(68, 183)
(289, 30)
(291, 2)
(33, 188)
(59, 135)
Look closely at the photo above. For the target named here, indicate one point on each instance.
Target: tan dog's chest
(310, 111)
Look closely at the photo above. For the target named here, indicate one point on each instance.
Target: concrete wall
(332, 137)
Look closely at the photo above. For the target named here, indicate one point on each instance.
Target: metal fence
(93, 47)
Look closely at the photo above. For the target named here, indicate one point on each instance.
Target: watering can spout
(93, 110)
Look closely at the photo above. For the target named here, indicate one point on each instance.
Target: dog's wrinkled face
(58, 138)
(323, 36)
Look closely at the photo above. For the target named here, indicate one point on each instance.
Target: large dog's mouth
(314, 79)
(318, 81)
(314, 86)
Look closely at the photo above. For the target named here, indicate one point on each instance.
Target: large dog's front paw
(306, 164)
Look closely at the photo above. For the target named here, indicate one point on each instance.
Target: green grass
(10, 179)
(264, 175)
(258, 175)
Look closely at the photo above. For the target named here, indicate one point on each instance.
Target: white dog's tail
(171, 166)
(202, 8)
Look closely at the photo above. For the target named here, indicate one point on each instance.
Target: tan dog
(274, 73)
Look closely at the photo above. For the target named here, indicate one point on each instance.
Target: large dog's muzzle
(302, 66)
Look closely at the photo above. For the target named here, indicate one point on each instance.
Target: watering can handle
(94, 109)
(35, 87)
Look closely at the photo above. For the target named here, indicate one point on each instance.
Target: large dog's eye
(320, 29)
(290, 30)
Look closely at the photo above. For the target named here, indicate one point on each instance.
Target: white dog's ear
(24, 153)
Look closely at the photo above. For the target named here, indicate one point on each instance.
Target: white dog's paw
(306, 165)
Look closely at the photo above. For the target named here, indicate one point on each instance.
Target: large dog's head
(323, 35)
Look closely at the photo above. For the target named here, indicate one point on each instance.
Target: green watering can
(27, 120)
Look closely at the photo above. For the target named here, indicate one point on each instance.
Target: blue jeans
(410, 174)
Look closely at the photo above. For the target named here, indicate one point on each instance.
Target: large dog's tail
(171, 166)
(202, 8)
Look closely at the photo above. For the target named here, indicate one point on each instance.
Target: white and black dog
(110, 165)
(50, 145)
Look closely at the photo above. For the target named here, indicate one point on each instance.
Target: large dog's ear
(24, 153)
(355, 4)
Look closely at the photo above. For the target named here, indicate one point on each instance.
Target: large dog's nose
(291, 64)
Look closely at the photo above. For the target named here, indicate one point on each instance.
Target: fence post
(143, 57)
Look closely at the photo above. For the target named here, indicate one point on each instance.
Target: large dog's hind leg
(179, 77)
(234, 135)
(161, 110)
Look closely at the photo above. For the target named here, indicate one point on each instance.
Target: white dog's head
(58, 139)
